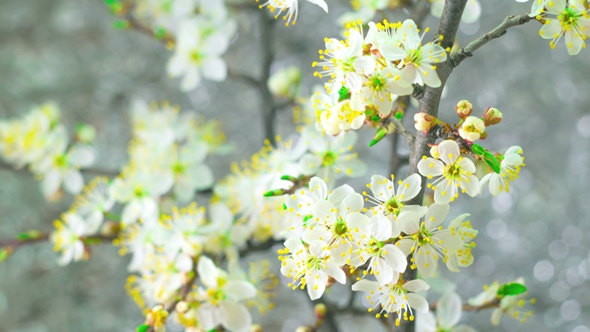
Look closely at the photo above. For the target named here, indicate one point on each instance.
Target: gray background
(68, 51)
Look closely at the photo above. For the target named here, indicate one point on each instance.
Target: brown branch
(87, 171)
(429, 103)
(495, 303)
(497, 32)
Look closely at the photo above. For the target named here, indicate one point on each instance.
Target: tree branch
(268, 107)
(499, 31)
(447, 27)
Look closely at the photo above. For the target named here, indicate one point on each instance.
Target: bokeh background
(69, 52)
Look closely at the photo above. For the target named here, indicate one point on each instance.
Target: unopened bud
(464, 109)
(492, 116)
(304, 329)
(472, 129)
(285, 82)
(110, 228)
(424, 122)
(182, 306)
(256, 328)
(320, 310)
(85, 133)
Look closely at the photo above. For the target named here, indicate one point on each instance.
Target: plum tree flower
(448, 314)
(572, 21)
(345, 63)
(510, 306)
(418, 61)
(395, 297)
(342, 117)
(385, 259)
(222, 296)
(67, 238)
(426, 241)
(472, 129)
(330, 157)
(60, 164)
(452, 171)
(303, 203)
(381, 89)
(94, 202)
(198, 54)
(309, 266)
(389, 201)
(290, 8)
(510, 166)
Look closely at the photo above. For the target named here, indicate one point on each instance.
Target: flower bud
(320, 310)
(256, 328)
(182, 306)
(85, 133)
(492, 116)
(285, 82)
(464, 109)
(472, 129)
(424, 122)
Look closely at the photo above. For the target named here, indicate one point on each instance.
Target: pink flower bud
(424, 122)
(464, 109)
(492, 116)
(472, 129)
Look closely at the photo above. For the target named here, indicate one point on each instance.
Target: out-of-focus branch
(495, 303)
(419, 11)
(499, 31)
(268, 106)
(87, 171)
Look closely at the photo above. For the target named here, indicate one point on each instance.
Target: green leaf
(121, 24)
(491, 160)
(143, 328)
(4, 254)
(379, 135)
(276, 192)
(160, 33)
(511, 289)
(399, 115)
(288, 178)
(478, 149)
(30, 235)
(343, 93)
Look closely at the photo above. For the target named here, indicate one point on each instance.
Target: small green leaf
(375, 118)
(343, 93)
(399, 115)
(288, 178)
(121, 24)
(160, 33)
(276, 192)
(491, 160)
(29, 235)
(379, 135)
(478, 149)
(284, 206)
(143, 328)
(4, 254)
(511, 289)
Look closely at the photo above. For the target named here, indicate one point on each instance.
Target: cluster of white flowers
(368, 73)
(337, 236)
(200, 32)
(40, 142)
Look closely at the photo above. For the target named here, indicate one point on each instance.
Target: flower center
(415, 57)
(393, 206)
(568, 18)
(452, 171)
(377, 83)
(196, 57)
(340, 228)
(61, 161)
(329, 158)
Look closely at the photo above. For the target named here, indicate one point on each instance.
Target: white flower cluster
(337, 236)
(200, 30)
(368, 73)
(453, 173)
(40, 142)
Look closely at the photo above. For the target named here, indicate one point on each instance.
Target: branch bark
(447, 27)
(499, 31)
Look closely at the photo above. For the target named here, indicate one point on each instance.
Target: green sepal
(491, 160)
(375, 118)
(511, 289)
(379, 135)
(29, 235)
(121, 24)
(478, 149)
(4, 254)
(143, 328)
(284, 206)
(399, 115)
(343, 94)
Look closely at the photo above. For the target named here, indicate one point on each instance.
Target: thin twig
(401, 128)
(87, 171)
(495, 303)
(269, 109)
(499, 31)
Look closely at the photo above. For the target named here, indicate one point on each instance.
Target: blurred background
(68, 51)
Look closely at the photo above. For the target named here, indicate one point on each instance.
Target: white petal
(435, 215)
(449, 310)
(214, 69)
(449, 151)
(416, 286)
(239, 290)
(418, 302)
(207, 272)
(321, 3)
(81, 155)
(73, 181)
(235, 316)
(431, 167)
